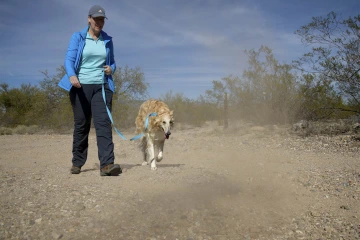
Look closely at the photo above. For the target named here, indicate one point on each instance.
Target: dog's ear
(172, 120)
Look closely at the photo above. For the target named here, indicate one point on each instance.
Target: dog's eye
(164, 122)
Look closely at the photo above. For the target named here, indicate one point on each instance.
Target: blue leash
(109, 113)
(112, 121)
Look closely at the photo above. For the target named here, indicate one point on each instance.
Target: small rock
(314, 214)
(38, 220)
(344, 207)
(78, 207)
(56, 236)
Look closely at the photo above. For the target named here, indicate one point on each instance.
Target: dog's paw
(153, 168)
(144, 163)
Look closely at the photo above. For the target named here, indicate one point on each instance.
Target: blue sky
(180, 45)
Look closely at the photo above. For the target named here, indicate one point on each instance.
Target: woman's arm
(71, 55)
(112, 59)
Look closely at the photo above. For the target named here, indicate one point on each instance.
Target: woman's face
(96, 23)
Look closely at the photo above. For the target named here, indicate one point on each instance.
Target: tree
(57, 105)
(317, 99)
(49, 85)
(22, 106)
(230, 85)
(130, 90)
(5, 102)
(265, 92)
(335, 53)
(269, 88)
(188, 111)
(130, 84)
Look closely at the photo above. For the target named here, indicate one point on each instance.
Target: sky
(180, 45)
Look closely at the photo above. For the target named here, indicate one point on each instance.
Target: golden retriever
(156, 132)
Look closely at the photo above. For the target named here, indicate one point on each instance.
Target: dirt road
(249, 184)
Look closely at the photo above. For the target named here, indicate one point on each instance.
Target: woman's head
(96, 18)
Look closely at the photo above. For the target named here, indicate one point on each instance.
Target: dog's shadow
(130, 166)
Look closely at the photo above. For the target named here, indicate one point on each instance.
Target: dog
(156, 132)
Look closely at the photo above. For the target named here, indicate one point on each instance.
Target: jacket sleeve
(112, 58)
(71, 55)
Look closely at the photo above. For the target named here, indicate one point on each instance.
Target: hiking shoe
(75, 170)
(111, 170)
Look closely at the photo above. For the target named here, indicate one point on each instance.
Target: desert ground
(248, 182)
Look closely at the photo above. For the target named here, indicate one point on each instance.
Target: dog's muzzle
(167, 135)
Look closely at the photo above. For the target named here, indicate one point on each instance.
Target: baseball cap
(97, 11)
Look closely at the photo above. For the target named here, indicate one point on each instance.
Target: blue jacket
(73, 58)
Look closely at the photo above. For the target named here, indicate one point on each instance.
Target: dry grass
(20, 130)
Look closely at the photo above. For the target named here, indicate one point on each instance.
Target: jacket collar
(104, 34)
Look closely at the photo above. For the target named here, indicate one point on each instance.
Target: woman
(89, 64)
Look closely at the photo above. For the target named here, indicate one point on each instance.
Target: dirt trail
(209, 186)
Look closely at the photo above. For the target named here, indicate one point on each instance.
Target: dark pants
(88, 102)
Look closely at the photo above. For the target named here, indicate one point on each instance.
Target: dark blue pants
(88, 102)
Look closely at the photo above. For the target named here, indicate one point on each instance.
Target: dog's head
(165, 122)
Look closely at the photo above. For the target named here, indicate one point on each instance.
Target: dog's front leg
(160, 147)
(151, 155)
(144, 150)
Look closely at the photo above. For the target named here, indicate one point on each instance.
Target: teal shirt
(92, 61)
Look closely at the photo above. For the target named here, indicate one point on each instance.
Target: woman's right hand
(75, 82)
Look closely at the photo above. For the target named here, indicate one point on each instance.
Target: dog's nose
(167, 134)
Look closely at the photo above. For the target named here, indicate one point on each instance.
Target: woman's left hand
(107, 70)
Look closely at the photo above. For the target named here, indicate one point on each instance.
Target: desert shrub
(188, 111)
(32, 129)
(5, 131)
(22, 129)
(265, 94)
(324, 127)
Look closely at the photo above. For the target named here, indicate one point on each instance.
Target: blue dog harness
(146, 126)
